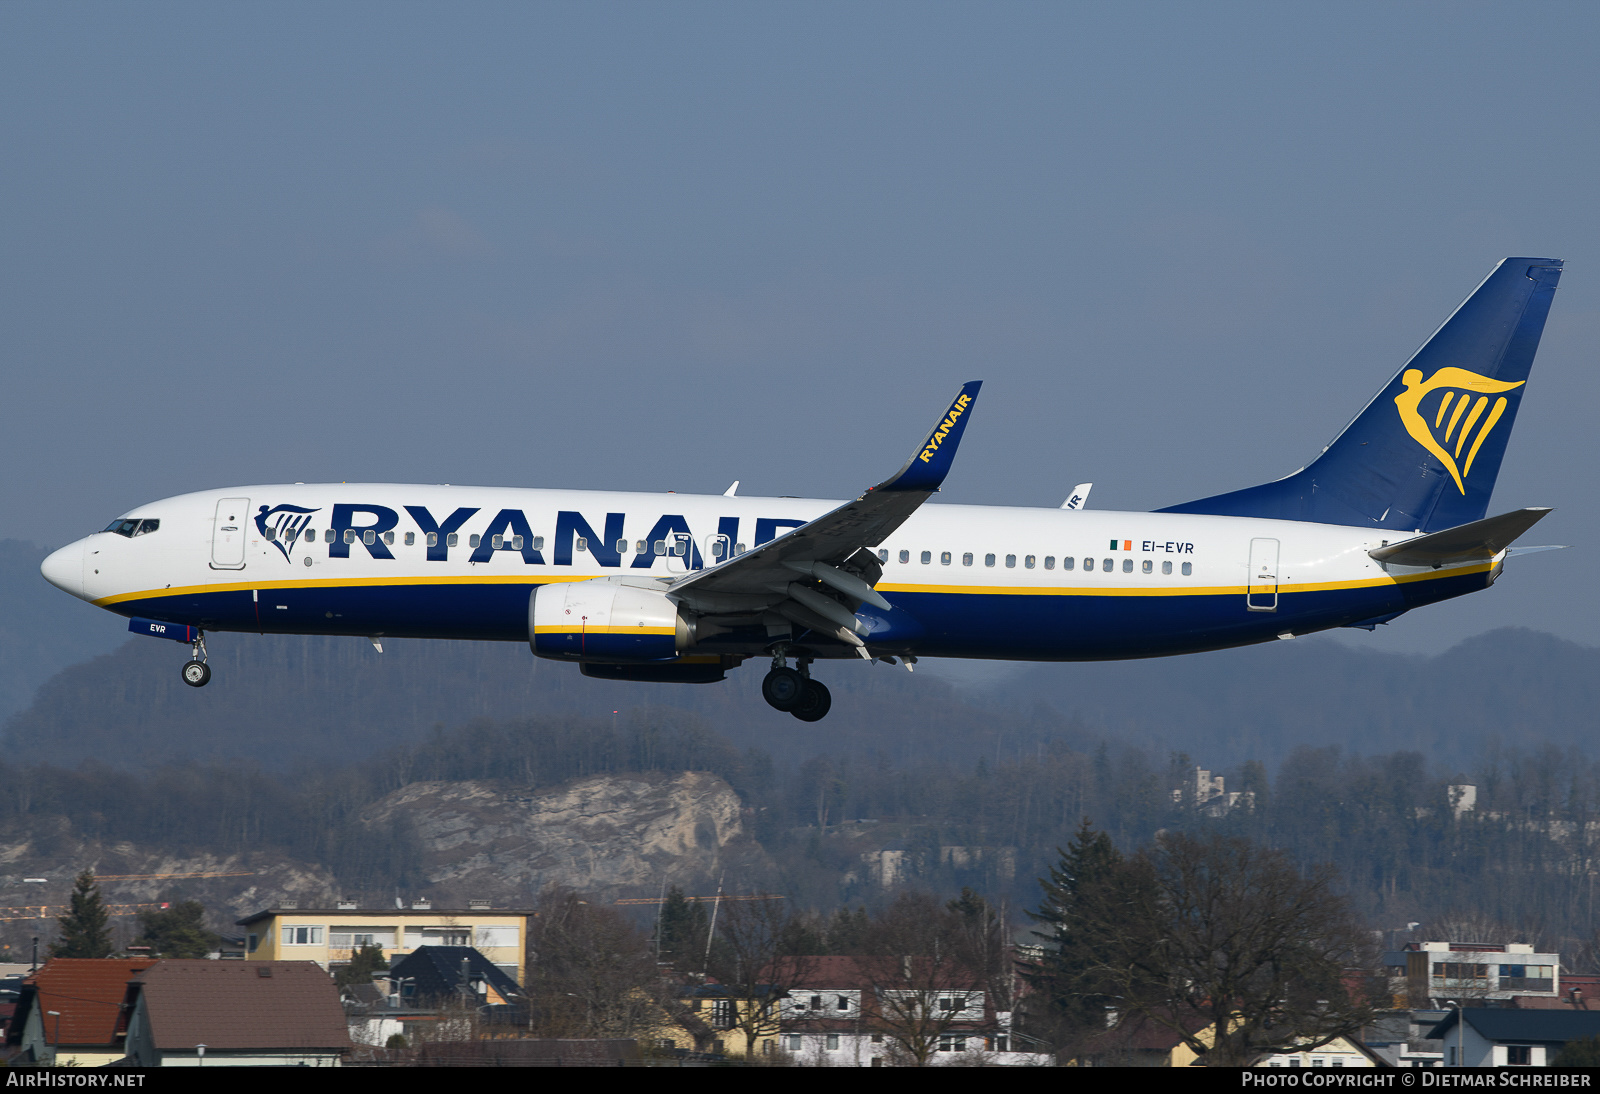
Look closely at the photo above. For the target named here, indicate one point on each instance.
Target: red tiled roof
(88, 992)
(230, 1006)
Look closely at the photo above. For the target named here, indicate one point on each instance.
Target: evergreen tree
(681, 935)
(84, 929)
(364, 962)
(178, 930)
(1070, 1000)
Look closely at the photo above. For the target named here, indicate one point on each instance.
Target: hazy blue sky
(665, 246)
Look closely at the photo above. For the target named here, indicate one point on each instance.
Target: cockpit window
(131, 528)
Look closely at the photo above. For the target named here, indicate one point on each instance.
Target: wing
(818, 575)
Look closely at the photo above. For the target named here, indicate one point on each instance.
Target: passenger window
(498, 541)
(1147, 565)
(1011, 562)
(738, 549)
(641, 547)
(966, 559)
(308, 534)
(538, 543)
(1027, 562)
(1188, 568)
(272, 534)
(1127, 565)
(883, 556)
(1068, 563)
(944, 558)
(369, 537)
(327, 535)
(660, 547)
(1049, 562)
(1166, 567)
(622, 548)
(388, 537)
(433, 539)
(988, 560)
(349, 535)
(411, 537)
(450, 540)
(927, 557)
(679, 547)
(581, 544)
(1108, 564)
(905, 556)
(516, 543)
(474, 540)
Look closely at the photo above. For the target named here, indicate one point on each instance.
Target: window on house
(794, 1042)
(302, 936)
(833, 1042)
(722, 1014)
(1519, 1055)
(950, 1042)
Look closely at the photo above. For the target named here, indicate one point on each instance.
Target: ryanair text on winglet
(958, 408)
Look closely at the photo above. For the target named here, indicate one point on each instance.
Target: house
(1507, 1037)
(842, 1012)
(328, 936)
(255, 1013)
(69, 1011)
(1444, 974)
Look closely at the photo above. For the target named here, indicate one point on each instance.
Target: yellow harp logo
(1455, 407)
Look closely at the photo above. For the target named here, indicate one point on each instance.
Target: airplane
(1390, 516)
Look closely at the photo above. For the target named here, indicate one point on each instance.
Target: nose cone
(64, 569)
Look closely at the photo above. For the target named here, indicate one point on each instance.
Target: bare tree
(1250, 955)
(590, 973)
(919, 965)
(750, 958)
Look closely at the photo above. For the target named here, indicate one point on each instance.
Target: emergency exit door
(1261, 590)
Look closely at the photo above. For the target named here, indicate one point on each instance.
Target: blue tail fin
(1424, 454)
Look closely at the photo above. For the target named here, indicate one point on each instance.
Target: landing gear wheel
(783, 689)
(814, 702)
(197, 674)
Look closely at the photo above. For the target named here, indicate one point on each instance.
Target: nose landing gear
(196, 673)
(793, 691)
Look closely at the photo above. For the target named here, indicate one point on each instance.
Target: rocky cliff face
(609, 835)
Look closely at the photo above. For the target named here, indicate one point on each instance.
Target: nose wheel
(196, 673)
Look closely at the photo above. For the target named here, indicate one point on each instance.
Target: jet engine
(600, 620)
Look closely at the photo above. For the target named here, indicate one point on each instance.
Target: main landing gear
(196, 673)
(794, 692)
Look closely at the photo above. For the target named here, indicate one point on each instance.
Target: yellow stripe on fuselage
(883, 587)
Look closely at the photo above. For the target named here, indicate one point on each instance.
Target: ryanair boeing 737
(1391, 516)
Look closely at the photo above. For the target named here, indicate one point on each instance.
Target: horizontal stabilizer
(1478, 541)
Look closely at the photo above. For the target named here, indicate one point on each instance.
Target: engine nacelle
(603, 620)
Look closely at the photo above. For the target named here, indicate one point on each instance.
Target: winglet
(928, 466)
